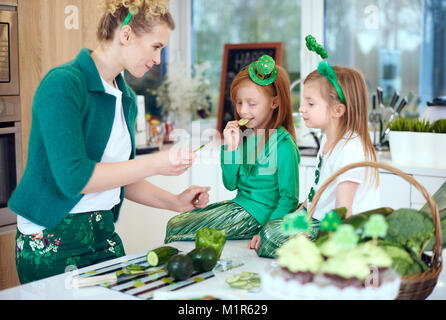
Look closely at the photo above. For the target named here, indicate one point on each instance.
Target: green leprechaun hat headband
(263, 71)
(324, 68)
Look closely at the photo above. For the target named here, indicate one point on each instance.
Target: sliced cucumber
(244, 280)
(160, 255)
(243, 122)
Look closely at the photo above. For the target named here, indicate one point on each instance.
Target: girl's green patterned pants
(80, 240)
(226, 215)
(272, 237)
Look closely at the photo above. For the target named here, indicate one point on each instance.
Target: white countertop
(59, 287)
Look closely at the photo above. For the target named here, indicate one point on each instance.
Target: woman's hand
(192, 198)
(173, 162)
(231, 135)
(255, 242)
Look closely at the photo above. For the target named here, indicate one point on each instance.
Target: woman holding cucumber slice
(259, 159)
(81, 161)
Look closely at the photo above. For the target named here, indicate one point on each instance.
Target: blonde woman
(81, 160)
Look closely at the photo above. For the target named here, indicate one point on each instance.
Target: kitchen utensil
(114, 277)
(400, 108)
(395, 99)
(374, 118)
(435, 110)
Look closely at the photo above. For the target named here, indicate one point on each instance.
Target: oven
(10, 111)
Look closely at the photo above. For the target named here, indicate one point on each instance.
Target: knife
(379, 94)
(395, 99)
(400, 108)
(403, 103)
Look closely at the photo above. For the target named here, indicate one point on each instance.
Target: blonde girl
(346, 140)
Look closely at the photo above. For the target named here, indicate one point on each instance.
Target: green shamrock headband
(263, 71)
(324, 68)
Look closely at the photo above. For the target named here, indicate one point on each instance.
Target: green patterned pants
(226, 215)
(78, 241)
(272, 237)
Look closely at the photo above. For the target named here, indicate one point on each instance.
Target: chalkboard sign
(235, 57)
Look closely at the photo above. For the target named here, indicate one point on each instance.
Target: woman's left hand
(192, 198)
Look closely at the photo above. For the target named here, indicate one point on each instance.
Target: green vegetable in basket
(411, 229)
(440, 198)
(211, 237)
(402, 262)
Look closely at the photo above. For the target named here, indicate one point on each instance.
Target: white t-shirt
(346, 151)
(119, 147)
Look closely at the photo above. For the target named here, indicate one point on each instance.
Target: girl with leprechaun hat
(259, 159)
(335, 100)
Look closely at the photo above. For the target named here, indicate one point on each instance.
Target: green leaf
(331, 222)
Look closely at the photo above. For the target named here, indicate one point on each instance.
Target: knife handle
(403, 103)
(379, 93)
(94, 280)
(374, 102)
(395, 98)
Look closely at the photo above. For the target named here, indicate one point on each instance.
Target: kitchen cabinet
(51, 32)
(8, 272)
(395, 192)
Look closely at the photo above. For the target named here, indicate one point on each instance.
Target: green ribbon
(127, 19)
(324, 68)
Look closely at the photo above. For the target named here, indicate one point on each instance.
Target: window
(395, 43)
(216, 22)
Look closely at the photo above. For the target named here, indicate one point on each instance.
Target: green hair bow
(324, 68)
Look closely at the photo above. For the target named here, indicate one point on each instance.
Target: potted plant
(416, 141)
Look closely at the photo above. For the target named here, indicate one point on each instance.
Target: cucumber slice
(243, 122)
(244, 280)
(160, 255)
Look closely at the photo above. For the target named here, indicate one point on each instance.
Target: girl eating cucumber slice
(259, 159)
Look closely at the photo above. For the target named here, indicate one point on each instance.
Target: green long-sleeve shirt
(267, 187)
(72, 118)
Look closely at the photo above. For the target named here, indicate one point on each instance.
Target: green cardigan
(72, 118)
(268, 185)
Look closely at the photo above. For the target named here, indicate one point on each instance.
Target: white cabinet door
(141, 227)
(394, 191)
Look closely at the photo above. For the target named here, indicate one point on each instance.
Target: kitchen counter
(59, 287)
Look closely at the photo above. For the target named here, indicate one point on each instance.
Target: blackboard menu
(235, 57)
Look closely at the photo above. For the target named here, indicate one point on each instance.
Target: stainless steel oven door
(10, 168)
(9, 51)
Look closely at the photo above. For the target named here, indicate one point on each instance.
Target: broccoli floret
(402, 262)
(411, 229)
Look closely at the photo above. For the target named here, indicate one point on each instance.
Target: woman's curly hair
(145, 15)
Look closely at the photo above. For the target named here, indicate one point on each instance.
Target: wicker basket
(415, 287)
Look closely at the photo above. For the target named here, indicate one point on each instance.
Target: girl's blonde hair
(283, 114)
(355, 119)
(146, 14)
